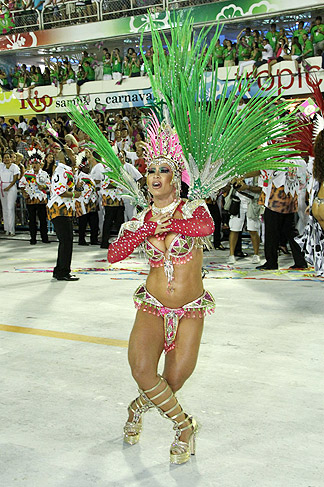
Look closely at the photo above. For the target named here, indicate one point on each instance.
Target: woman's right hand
(162, 223)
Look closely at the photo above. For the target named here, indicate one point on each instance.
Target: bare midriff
(187, 284)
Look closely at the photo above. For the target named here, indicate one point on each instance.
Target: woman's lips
(157, 185)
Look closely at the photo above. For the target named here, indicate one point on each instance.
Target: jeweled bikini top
(190, 232)
(178, 252)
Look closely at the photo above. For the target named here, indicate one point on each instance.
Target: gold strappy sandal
(133, 429)
(180, 451)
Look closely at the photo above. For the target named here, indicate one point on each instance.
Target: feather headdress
(36, 155)
(81, 159)
(162, 144)
(218, 141)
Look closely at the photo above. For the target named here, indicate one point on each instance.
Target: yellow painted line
(65, 336)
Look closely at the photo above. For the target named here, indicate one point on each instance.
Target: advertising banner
(221, 11)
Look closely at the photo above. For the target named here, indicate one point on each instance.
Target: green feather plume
(218, 142)
(115, 169)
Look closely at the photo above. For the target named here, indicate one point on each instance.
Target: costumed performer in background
(312, 240)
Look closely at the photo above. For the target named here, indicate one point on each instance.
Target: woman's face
(159, 177)
(6, 159)
(13, 158)
(36, 167)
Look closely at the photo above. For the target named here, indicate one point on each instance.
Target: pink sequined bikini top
(179, 251)
(189, 234)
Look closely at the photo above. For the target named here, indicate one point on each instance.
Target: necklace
(166, 209)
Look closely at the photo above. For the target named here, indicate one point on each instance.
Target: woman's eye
(164, 170)
(151, 171)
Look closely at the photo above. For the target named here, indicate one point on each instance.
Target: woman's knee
(176, 380)
(144, 373)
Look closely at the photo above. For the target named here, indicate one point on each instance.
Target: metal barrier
(71, 12)
(113, 9)
(26, 20)
(176, 4)
(83, 11)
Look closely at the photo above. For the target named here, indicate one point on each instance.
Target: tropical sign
(221, 11)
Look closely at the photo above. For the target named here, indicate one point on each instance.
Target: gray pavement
(257, 391)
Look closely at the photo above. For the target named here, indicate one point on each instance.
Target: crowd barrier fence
(84, 11)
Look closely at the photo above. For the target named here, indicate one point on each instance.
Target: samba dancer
(172, 304)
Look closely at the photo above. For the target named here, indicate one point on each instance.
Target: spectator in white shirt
(9, 175)
(22, 124)
(267, 55)
(137, 176)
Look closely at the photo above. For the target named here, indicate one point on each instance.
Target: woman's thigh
(145, 347)
(181, 361)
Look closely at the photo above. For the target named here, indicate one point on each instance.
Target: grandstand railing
(72, 12)
(26, 20)
(76, 12)
(113, 9)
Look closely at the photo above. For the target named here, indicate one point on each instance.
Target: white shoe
(12, 234)
(256, 259)
(7, 233)
(231, 260)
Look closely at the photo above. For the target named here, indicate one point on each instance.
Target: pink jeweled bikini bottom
(199, 307)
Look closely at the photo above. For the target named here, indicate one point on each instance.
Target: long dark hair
(295, 41)
(318, 169)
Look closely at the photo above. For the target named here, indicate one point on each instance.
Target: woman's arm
(130, 239)
(13, 182)
(200, 225)
(125, 245)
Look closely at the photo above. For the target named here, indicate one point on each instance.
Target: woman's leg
(144, 359)
(12, 197)
(233, 241)
(270, 64)
(255, 241)
(181, 361)
(5, 213)
(179, 365)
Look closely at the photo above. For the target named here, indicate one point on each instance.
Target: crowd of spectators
(52, 138)
(69, 70)
(123, 129)
(250, 48)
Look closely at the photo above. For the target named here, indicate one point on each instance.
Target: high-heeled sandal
(133, 429)
(180, 451)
